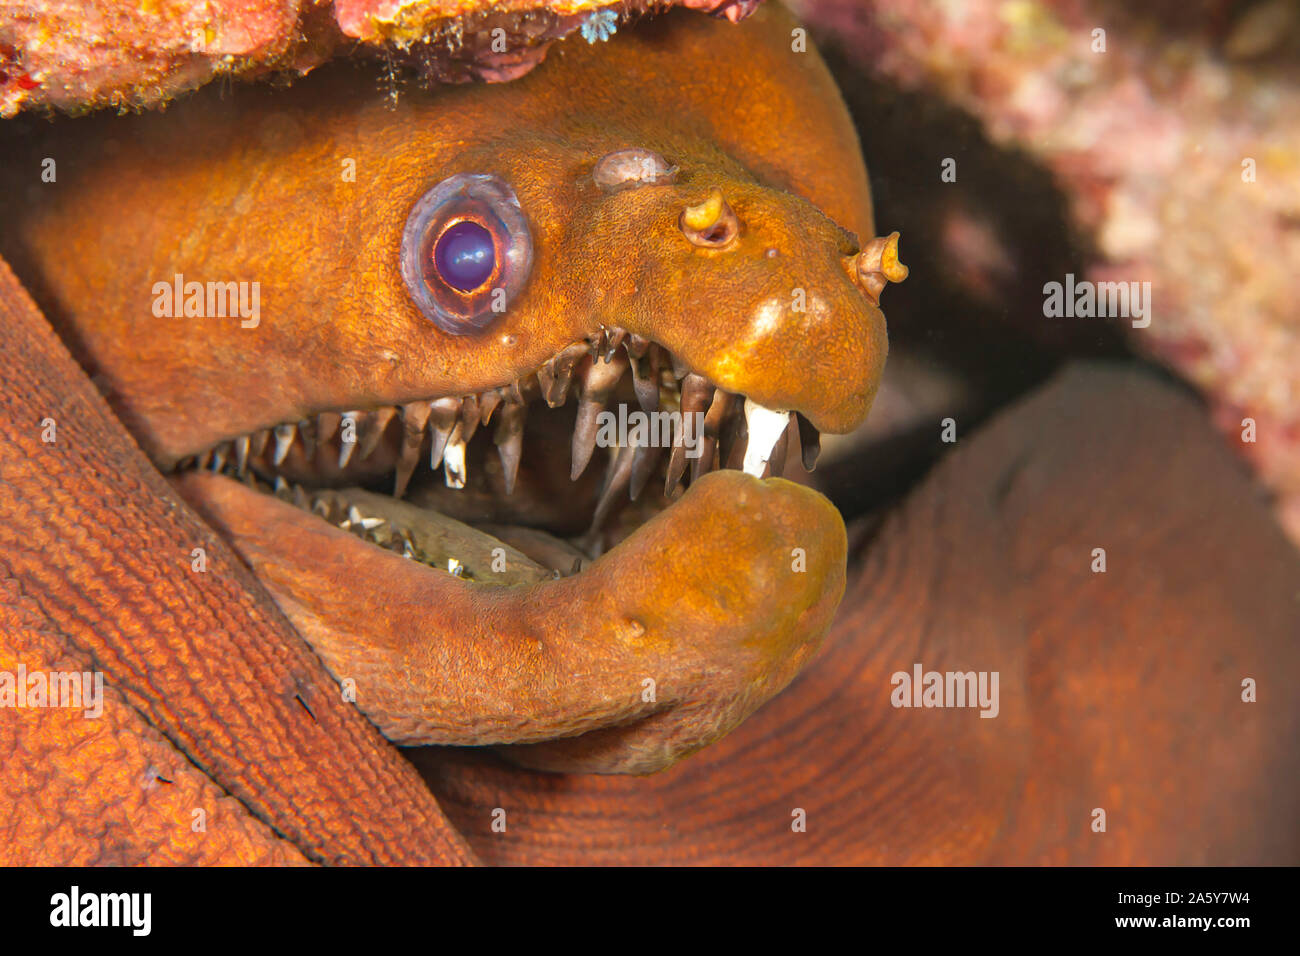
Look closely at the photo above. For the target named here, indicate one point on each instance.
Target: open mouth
(604, 602)
(532, 479)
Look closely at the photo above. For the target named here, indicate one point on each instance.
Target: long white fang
(765, 428)
(453, 463)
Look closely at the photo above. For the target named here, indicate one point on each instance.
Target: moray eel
(372, 342)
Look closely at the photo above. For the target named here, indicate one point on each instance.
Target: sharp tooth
(470, 414)
(445, 413)
(259, 442)
(307, 435)
(281, 489)
(347, 448)
(811, 441)
(371, 429)
(205, 459)
(299, 496)
(487, 404)
(676, 467)
(714, 419)
(219, 457)
(554, 377)
(765, 428)
(414, 419)
(697, 393)
(612, 344)
(616, 483)
(453, 462)
(321, 507)
(284, 435)
(358, 520)
(405, 469)
(509, 439)
(598, 381)
(584, 437)
(644, 460)
(636, 345)
(241, 453)
(645, 379)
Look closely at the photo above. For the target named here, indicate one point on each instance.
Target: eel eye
(466, 252)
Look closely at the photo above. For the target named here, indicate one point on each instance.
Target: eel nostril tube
(877, 265)
(711, 224)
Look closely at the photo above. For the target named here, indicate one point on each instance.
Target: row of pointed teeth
(753, 437)
(348, 517)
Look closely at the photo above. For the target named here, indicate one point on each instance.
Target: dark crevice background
(970, 314)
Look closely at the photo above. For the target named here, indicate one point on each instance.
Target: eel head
(501, 399)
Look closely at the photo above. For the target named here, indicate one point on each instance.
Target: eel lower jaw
(595, 624)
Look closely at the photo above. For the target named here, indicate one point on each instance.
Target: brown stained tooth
(584, 437)
(509, 439)
(281, 489)
(554, 377)
(371, 428)
(445, 413)
(405, 469)
(470, 415)
(241, 453)
(488, 402)
(299, 496)
(645, 380)
(715, 420)
(810, 440)
(614, 342)
(644, 460)
(636, 345)
(596, 342)
(697, 395)
(735, 439)
(598, 381)
(676, 466)
(616, 483)
(259, 442)
(415, 417)
(284, 435)
(219, 457)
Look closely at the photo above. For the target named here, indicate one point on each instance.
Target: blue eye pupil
(465, 256)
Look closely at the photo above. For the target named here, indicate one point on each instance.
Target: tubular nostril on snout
(712, 224)
(876, 266)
